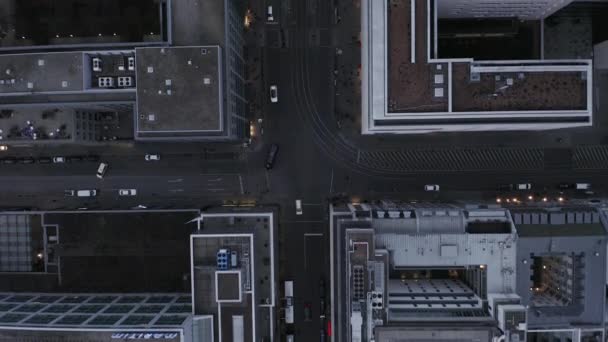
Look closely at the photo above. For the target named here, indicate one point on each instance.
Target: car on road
(58, 160)
(272, 156)
(431, 187)
(583, 186)
(565, 186)
(45, 160)
(274, 94)
(3, 147)
(92, 158)
(75, 159)
(322, 304)
(102, 169)
(322, 338)
(87, 193)
(127, 192)
(27, 160)
(524, 186)
(69, 192)
(9, 160)
(298, 207)
(152, 157)
(307, 312)
(269, 15)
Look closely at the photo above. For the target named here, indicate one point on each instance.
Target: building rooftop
(235, 290)
(96, 249)
(408, 88)
(41, 72)
(80, 22)
(179, 91)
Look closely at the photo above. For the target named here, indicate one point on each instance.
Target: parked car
(298, 207)
(274, 94)
(565, 186)
(86, 193)
(45, 160)
(431, 187)
(269, 15)
(583, 186)
(272, 156)
(75, 159)
(127, 192)
(69, 192)
(102, 169)
(152, 157)
(59, 160)
(27, 160)
(9, 160)
(524, 186)
(307, 312)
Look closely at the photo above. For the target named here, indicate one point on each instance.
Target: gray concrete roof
(41, 72)
(181, 88)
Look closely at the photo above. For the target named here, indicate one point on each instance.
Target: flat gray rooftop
(41, 72)
(179, 90)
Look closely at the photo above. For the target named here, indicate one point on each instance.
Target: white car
(269, 15)
(151, 157)
(431, 187)
(102, 169)
(274, 94)
(127, 192)
(3, 147)
(58, 159)
(583, 186)
(86, 193)
(524, 186)
(298, 207)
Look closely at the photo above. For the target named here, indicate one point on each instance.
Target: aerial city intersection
(303, 170)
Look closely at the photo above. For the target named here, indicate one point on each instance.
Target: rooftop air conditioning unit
(96, 64)
(105, 82)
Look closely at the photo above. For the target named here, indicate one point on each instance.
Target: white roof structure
(407, 90)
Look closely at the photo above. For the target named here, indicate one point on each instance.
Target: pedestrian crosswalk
(590, 157)
(454, 159)
(586, 157)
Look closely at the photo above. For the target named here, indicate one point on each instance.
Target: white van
(583, 186)
(86, 193)
(101, 170)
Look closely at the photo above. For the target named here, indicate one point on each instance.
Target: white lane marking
(331, 182)
(176, 190)
(241, 182)
(178, 180)
(313, 234)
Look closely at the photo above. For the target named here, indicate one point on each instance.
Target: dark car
(74, 159)
(505, 187)
(322, 335)
(322, 298)
(307, 312)
(565, 186)
(45, 160)
(27, 160)
(272, 156)
(92, 158)
(9, 160)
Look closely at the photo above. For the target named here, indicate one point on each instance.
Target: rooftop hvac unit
(512, 320)
(125, 81)
(377, 300)
(131, 63)
(96, 61)
(105, 82)
(497, 299)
